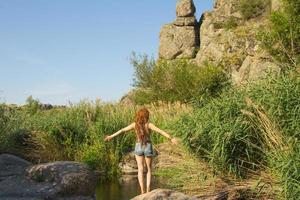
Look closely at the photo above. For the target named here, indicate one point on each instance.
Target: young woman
(143, 148)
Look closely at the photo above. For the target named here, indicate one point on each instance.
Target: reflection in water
(123, 189)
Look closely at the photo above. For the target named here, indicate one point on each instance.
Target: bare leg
(140, 163)
(148, 163)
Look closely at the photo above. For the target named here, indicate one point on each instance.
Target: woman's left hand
(174, 141)
(107, 138)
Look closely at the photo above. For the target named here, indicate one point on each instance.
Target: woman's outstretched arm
(123, 130)
(156, 129)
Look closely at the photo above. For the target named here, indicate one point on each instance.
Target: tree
(32, 105)
(143, 69)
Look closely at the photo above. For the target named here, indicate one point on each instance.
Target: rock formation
(224, 38)
(235, 48)
(20, 179)
(180, 39)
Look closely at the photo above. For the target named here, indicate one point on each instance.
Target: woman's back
(143, 135)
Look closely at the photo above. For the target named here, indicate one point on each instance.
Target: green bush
(180, 80)
(143, 68)
(3, 118)
(32, 105)
(282, 36)
(11, 137)
(252, 8)
(230, 23)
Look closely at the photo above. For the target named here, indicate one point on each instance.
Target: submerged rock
(20, 179)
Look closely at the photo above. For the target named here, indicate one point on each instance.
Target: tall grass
(250, 129)
(77, 132)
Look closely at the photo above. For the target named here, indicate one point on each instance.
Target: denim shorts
(144, 150)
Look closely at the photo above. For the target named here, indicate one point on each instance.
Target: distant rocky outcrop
(19, 179)
(180, 39)
(222, 37)
(46, 106)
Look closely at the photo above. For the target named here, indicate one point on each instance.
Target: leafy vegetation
(282, 36)
(32, 105)
(178, 80)
(230, 23)
(77, 132)
(253, 8)
(143, 67)
(248, 130)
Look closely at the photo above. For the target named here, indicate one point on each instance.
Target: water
(123, 189)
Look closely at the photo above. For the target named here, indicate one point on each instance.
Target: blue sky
(68, 50)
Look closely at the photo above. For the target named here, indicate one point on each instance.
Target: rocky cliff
(225, 36)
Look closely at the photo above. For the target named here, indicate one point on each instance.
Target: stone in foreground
(20, 179)
(164, 194)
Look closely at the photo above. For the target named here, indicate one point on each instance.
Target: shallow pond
(122, 189)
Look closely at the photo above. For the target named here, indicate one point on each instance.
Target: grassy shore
(245, 134)
(77, 132)
(251, 132)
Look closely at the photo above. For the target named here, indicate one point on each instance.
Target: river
(122, 189)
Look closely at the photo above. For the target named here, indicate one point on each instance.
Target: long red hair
(141, 119)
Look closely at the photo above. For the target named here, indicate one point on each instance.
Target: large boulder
(177, 42)
(185, 21)
(11, 165)
(254, 67)
(20, 179)
(70, 178)
(185, 8)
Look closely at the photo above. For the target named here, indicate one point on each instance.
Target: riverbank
(246, 138)
(180, 170)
